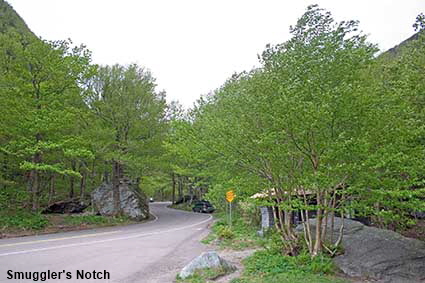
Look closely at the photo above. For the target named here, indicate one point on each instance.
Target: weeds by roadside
(24, 223)
(203, 275)
(271, 266)
(22, 220)
(238, 237)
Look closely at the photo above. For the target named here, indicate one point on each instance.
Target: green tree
(40, 94)
(131, 117)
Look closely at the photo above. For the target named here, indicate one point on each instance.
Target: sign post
(230, 196)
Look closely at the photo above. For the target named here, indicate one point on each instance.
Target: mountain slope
(11, 21)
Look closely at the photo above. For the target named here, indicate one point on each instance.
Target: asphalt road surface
(149, 252)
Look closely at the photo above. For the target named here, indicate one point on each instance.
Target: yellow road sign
(230, 196)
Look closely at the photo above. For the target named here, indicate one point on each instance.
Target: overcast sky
(193, 46)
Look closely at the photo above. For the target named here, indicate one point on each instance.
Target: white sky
(193, 46)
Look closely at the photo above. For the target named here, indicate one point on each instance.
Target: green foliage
(64, 120)
(321, 114)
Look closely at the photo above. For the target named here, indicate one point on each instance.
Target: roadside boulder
(133, 202)
(68, 206)
(207, 260)
(378, 254)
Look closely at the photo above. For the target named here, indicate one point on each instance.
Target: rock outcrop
(133, 202)
(206, 260)
(68, 206)
(378, 254)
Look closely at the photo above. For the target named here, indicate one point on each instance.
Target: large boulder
(133, 202)
(206, 260)
(67, 206)
(378, 254)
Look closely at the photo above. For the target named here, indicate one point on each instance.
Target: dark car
(203, 206)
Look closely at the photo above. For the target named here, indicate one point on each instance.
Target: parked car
(203, 206)
(151, 200)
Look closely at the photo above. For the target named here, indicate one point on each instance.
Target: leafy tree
(125, 101)
(40, 97)
(316, 125)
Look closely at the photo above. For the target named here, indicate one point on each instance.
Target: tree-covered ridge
(10, 20)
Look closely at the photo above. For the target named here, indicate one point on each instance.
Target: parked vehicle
(203, 206)
(151, 200)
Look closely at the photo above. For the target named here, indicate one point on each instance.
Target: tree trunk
(190, 192)
(83, 184)
(71, 182)
(318, 244)
(35, 182)
(52, 188)
(173, 200)
(116, 176)
(180, 187)
(30, 179)
(93, 174)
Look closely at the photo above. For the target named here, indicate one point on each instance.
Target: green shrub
(225, 233)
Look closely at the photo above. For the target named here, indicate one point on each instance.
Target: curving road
(149, 252)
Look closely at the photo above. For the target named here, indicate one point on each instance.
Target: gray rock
(133, 202)
(206, 260)
(378, 254)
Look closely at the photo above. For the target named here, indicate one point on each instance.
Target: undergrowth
(23, 220)
(271, 266)
(238, 236)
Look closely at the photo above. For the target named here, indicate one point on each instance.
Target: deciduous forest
(326, 125)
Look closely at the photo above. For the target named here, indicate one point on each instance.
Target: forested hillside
(11, 21)
(67, 124)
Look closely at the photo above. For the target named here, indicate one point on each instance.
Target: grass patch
(202, 275)
(22, 220)
(25, 223)
(289, 278)
(239, 236)
(271, 266)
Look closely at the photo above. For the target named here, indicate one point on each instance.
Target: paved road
(148, 253)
